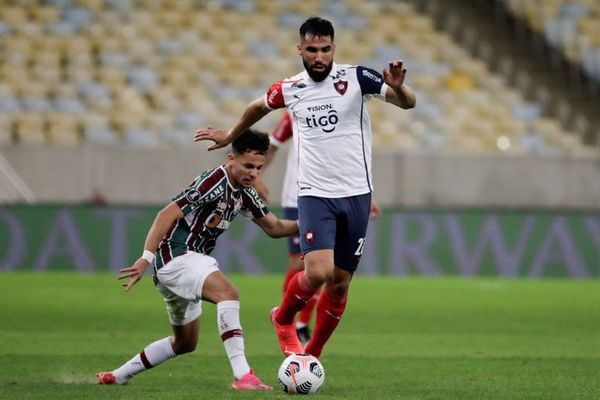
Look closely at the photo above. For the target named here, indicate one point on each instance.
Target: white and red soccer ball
(301, 374)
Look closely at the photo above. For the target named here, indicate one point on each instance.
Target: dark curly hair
(316, 26)
(251, 140)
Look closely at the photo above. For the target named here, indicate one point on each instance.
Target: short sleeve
(274, 96)
(252, 205)
(283, 131)
(189, 199)
(371, 82)
(201, 191)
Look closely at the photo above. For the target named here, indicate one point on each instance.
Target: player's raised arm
(398, 93)
(275, 227)
(253, 113)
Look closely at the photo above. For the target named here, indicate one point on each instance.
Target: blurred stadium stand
(126, 75)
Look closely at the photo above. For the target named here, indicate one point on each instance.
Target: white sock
(300, 325)
(228, 321)
(155, 353)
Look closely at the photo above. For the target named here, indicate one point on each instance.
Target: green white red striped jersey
(209, 205)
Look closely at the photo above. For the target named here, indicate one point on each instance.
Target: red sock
(291, 271)
(306, 313)
(297, 294)
(329, 314)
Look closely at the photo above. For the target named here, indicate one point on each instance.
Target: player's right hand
(219, 136)
(134, 273)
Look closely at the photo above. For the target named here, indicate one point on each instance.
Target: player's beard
(318, 76)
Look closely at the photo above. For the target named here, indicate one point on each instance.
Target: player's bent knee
(315, 278)
(227, 292)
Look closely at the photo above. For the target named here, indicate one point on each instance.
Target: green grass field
(411, 338)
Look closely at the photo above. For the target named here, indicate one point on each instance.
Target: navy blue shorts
(293, 241)
(338, 224)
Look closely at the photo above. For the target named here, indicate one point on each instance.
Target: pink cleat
(249, 382)
(287, 336)
(106, 378)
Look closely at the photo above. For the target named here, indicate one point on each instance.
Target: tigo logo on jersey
(325, 122)
(309, 237)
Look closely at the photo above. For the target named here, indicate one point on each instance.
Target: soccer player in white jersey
(178, 246)
(289, 202)
(332, 133)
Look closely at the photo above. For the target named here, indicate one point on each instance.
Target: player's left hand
(134, 273)
(394, 75)
(219, 136)
(375, 210)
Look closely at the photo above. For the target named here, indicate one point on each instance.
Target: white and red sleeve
(283, 131)
(274, 96)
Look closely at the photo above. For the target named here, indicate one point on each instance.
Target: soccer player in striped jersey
(332, 134)
(178, 246)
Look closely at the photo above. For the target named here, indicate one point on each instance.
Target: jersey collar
(229, 183)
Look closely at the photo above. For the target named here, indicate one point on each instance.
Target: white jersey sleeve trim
(275, 142)
(382, 92)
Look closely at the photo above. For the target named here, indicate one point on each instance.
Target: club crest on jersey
(340, 87)
(309, 237)
(237, 205)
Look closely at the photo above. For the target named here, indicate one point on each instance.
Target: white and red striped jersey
(331, 128)
(281, 134)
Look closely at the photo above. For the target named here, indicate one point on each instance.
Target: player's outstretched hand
(394, 75)
(219, 136)
(134, 273)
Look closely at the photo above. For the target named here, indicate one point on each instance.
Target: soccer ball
(301, 374)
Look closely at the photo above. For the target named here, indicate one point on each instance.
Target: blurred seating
(570, 26)
(147, 74)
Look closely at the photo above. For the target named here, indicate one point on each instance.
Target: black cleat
(303, 334)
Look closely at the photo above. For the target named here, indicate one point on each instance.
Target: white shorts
(180, 281)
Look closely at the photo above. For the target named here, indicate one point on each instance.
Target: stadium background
(99, 100)
(493, 177)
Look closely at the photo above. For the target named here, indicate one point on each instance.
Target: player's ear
(299, 48)
(230, 156)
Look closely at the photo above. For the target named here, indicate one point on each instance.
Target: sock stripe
(332, 315)
(145, 360)
(231, 333)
